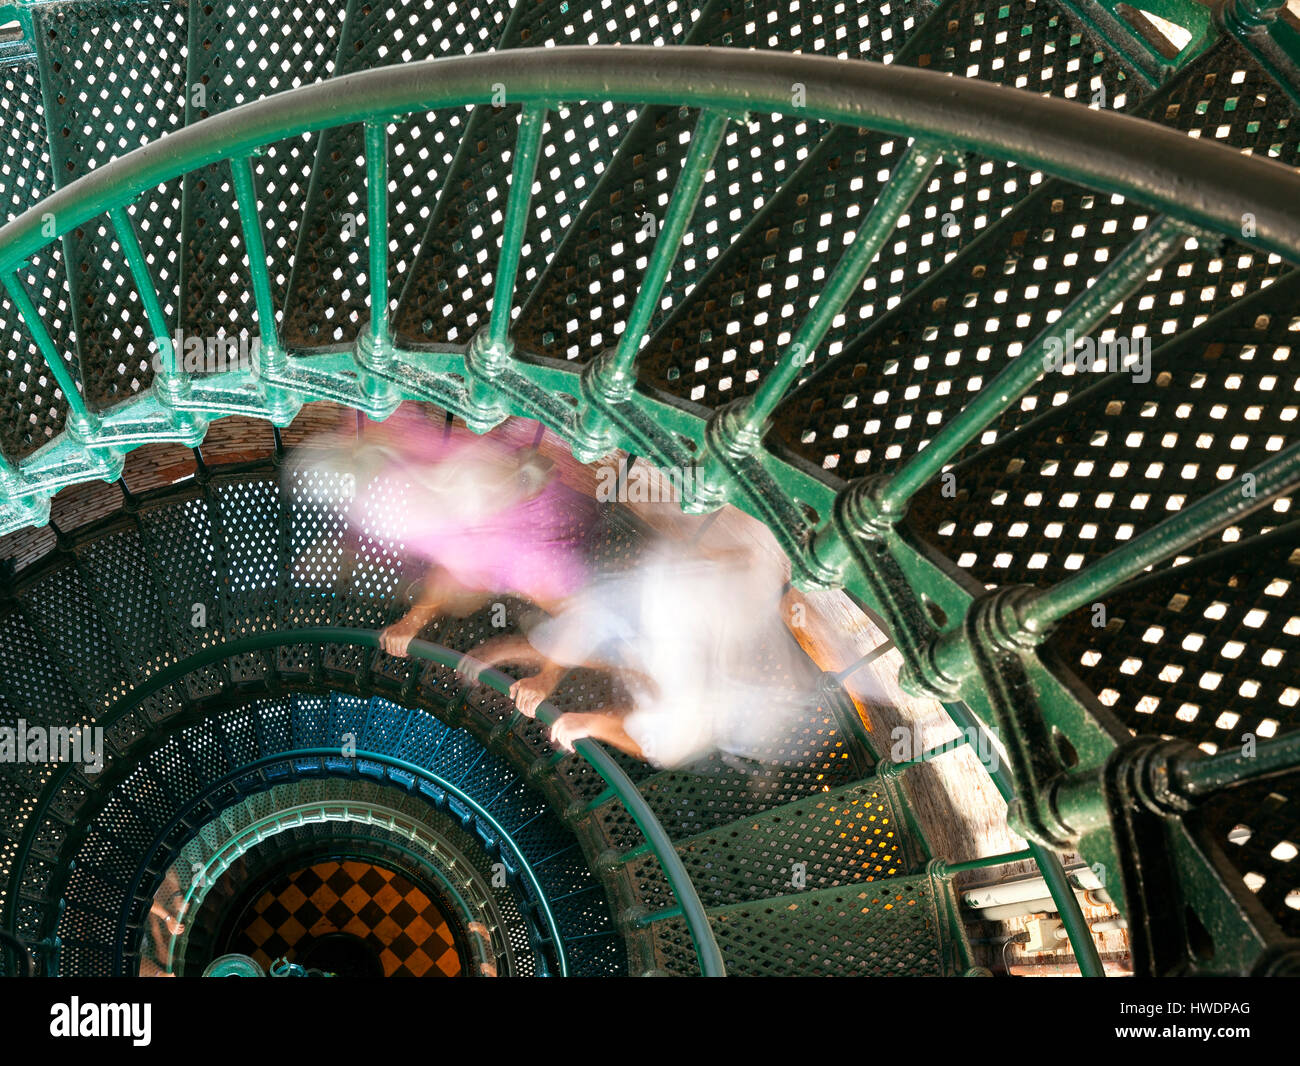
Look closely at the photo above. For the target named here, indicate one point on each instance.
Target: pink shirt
(452, 500)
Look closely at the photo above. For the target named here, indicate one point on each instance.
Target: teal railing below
(689, 906)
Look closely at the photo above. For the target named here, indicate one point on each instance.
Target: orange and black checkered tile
(380, 907)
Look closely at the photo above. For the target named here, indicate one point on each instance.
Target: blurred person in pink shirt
(488, 516)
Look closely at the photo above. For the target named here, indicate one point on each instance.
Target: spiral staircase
(810, 252)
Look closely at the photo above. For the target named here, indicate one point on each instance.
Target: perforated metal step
(897, 926)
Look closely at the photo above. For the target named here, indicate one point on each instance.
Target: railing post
(271, 357)
(1049, 865)
(170, 385)
(870, 506)
(377, 233)
(490, 349)
(374, 349)
(611, 377)
(736, 432)
(1026, 620)
(883, 648)
(944, 867)
(931, 754)
(1204, 776)
(82, 424)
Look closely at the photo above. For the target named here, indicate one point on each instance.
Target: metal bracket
(1188, 910)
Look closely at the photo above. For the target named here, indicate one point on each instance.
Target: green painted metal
(271, 359)
(1123, 26)
(1071, 914)
(640, 851)
(934, 753)
(612, 378)
(710, 959)
(923, 937)
(1108, 153)
(1287, 39)
(20, 237)
(645, 921)
(221, 860)
(375, 348)
(489, 354)
(1205, 776)
(599, 800)
(207, 874)
(854, 833)
(387, 760)
(1099, 150)
(1049, 865)
(866, 660)
(241, 173)
(377, 231)
(988, 860)
(169, 372)
(1260, 27)
(80, 416)
(531, 125)
(704, 145)
(908, 178)
(740, 431)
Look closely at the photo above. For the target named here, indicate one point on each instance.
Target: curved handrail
(1193, 180)
(693, 913)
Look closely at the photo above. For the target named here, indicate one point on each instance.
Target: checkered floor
(379, 906)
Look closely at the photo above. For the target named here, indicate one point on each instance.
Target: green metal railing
(619, 785)
(1193, 187)
(1108, 152)
(1124, 27)
(1067, 904)
(1270, 33)
(1049, 864)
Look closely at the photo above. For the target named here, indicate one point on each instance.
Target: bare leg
(439, 591)
(511, 648)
